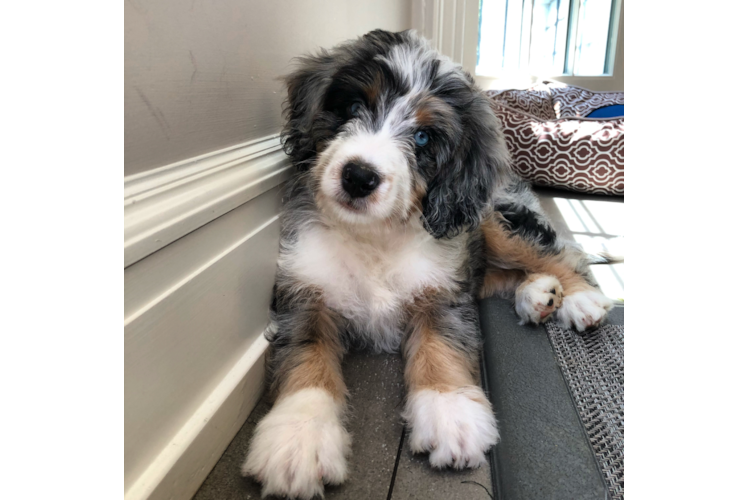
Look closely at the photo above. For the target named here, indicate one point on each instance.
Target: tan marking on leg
(316, 364)
(515, 252)
(501, 282)
(430, 361)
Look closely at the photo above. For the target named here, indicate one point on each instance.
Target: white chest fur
(368, 279)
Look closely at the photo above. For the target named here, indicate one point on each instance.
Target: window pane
(499, 36)
(592, 37)
(550, 24)
(513, 39)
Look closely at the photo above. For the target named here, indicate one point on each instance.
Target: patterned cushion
(563, 149)
(569, 101)
(537, 100)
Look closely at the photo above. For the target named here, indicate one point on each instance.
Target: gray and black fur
(465, 168)
(401, 213)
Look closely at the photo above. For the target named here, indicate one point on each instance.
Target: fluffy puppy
(401, 213)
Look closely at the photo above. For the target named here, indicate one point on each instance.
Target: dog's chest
(371, 280)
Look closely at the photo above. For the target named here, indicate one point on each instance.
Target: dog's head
(390, 129)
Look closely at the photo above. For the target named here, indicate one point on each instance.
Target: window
(547, 37)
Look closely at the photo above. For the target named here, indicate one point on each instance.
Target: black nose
(358, 180)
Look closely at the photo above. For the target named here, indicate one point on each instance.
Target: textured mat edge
(593, 368)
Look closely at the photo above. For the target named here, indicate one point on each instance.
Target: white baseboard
(166, 203)
(185, 462)
(201, 241)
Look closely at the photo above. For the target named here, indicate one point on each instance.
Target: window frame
(613, 29)
(453, 26)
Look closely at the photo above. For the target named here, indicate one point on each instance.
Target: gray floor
(544, 451)
(376, 388)
(377, 393)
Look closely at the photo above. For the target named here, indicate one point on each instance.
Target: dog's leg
(302, 443)
(447, 412)
(552, 280)
(502, 282)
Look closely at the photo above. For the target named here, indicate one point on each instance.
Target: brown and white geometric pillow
(536, 101)
(570, 152)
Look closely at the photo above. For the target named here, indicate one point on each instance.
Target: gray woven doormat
(592, 364)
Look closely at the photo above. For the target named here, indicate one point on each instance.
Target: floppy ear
(306, 90)
(462, 188)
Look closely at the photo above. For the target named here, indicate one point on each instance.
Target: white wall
(201, 76)
(201, 229)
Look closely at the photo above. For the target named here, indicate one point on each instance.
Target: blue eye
(355, 109)
(421, 138)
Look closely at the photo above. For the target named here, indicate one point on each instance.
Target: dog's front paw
(583, 310)
(456, 428)
(537, 298)
(299, 445)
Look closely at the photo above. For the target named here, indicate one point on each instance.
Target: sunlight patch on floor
(598, 226)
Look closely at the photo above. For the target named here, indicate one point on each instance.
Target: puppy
(403, 211)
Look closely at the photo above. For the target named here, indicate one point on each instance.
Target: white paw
(584, 310)
(299, 445)
(456, 427)
(537, 298)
